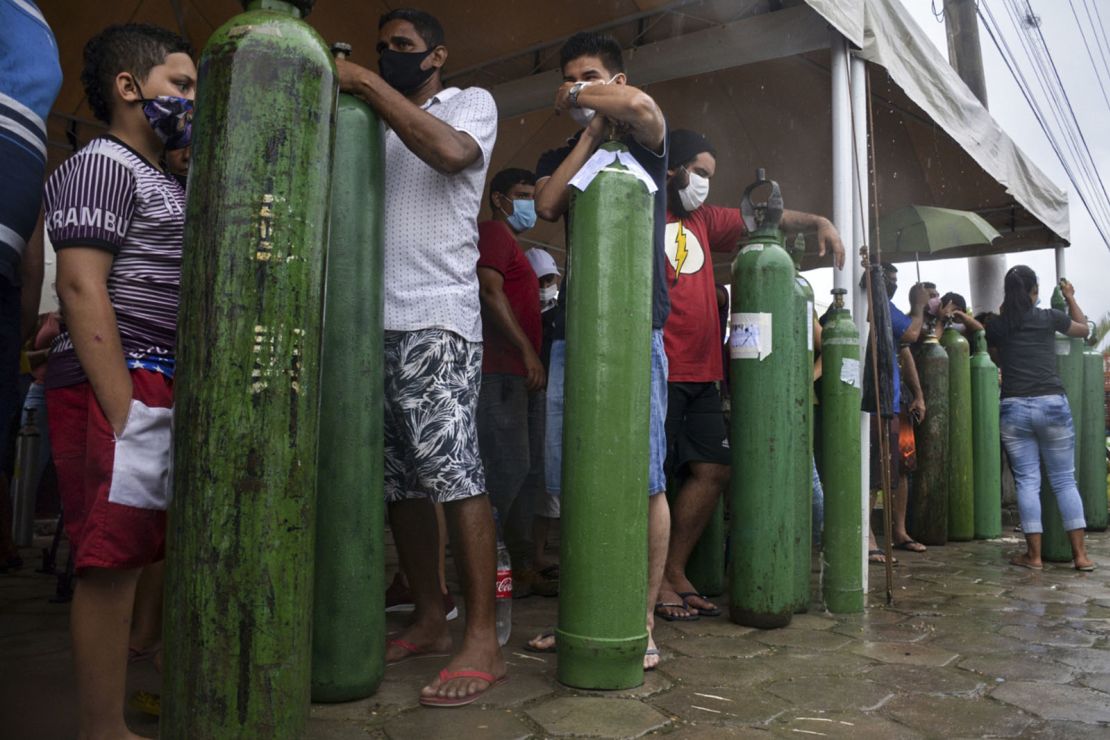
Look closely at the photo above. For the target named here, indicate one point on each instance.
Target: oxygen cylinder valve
(341, 50)
(838, 297)
(766, 216)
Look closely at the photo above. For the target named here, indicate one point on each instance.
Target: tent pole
(842, 156)
(861, 196)
(1061, 267)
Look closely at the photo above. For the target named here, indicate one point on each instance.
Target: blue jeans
(1036, 428)
(553, 458)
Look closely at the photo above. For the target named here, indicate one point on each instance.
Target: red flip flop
(412, 651)
(461, 701)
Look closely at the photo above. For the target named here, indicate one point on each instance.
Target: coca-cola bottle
(504, 593)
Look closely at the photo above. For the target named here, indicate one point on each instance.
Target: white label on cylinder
(849, 371)
(750, 336)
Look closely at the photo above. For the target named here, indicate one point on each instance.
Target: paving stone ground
(971, 647)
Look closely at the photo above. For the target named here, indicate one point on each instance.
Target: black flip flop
(714, 612)
(906, 545)
(660, 606)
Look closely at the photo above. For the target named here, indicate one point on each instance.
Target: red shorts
(114, 490)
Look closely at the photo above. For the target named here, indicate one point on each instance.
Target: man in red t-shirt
(697, 439)
(511, 405)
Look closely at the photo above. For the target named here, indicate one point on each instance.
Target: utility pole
(964, 54)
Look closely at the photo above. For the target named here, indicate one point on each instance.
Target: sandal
(461, 701)
(711, 611)
(533, 645)
(661, 612)
(910, 545)
(878, 557)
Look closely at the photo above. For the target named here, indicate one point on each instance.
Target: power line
(1071, 111)
(1096, 207)
(1091, 56)
(1099, 32)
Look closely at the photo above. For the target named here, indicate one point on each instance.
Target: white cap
(542, 263)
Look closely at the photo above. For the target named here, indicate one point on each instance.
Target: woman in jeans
(1035, 418)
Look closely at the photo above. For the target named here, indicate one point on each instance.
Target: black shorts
(696, 430)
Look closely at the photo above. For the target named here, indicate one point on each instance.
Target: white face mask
(548, 296)
(695, 192)
(583, 116)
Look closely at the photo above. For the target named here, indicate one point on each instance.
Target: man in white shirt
(437, 149)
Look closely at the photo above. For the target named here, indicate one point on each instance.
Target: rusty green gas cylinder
(764, 350)
(348, 624)
(706, 566)
(986, 443)
(802, 468)
(842, 569)
(927, 517)
(961, 476)
(603, 545)
(1055, 546)
(241, 529)
(1092, 439)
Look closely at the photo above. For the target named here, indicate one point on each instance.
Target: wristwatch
(572, 94)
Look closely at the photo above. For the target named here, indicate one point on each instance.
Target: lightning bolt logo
(680, 253)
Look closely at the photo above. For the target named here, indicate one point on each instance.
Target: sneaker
(449, 607)
(398, 597)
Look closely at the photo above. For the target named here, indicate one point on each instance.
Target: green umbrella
(915, 230)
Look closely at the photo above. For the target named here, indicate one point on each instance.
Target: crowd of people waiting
(474, 342)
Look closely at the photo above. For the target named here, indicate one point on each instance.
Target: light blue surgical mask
(1037, 303)
(523, 216)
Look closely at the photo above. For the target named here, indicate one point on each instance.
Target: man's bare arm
(624, 104)
(828, 238)
(442, 147)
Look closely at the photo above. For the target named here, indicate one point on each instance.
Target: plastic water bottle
(504, 594)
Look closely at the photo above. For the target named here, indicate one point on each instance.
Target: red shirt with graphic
(498, 250)
(692, 335)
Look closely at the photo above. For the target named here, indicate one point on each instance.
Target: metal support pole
(1061, 264)
(860, 235)
(842, 155)
(985, 273)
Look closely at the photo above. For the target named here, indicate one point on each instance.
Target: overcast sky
(1088, 260)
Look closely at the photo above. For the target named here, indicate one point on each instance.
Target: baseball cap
(542, 262)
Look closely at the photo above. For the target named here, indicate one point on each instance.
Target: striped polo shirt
(30, 77)
(107, 196)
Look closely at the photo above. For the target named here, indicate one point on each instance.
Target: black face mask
(401, 70)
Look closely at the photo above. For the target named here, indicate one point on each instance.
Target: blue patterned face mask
(171, 118)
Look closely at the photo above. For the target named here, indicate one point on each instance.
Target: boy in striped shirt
(116, 220)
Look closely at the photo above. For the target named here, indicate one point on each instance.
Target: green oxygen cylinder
(986, 442)
(927, 515)
(842, 559)
(765, 418)
(1092, 473)
(605, 433)
(706, 566)
(348, 624)
(238, 616)
(1055, 546)
(802, 484)
(961, 474)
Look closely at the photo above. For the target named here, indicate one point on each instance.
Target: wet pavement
(971, 648)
